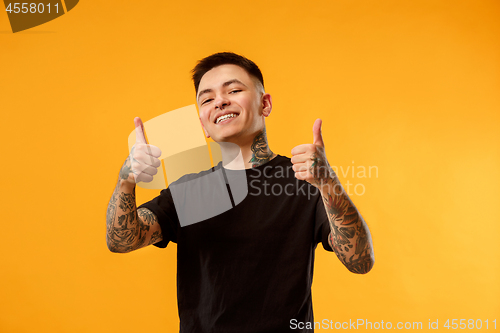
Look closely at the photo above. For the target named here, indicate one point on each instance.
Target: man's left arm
(349, 235)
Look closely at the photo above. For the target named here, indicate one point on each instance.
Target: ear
(267, 105)
(204, 129)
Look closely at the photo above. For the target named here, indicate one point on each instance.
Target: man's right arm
(129, 228)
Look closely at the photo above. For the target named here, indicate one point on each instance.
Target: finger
(139, 169)
(301, 149)
(139, 131)
(143, 172)
(300, 158)
(317, 136)
(301, 175)
(149, 150)
(147, 160)
(154, 151)
(300, 167)
(143, 177)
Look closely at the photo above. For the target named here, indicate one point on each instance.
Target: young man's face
(232, 108)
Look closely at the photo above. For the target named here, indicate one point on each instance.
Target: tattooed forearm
(126, 226)
(260, 150)
(127, 201)
(126, 168)
(362, 265)
(349, 236)
(111, 214)
(122, 225)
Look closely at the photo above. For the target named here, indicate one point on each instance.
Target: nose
(221, 102)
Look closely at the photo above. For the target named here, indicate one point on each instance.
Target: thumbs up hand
(142, 163)
(310, 162)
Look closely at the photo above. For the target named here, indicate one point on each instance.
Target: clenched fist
(309, 160)
(142, 163)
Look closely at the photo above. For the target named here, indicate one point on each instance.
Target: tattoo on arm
(155, 237)
(122, 236)
(126, 169)
(147, 216)
(348, 236)
(125, 231)
(110, 217)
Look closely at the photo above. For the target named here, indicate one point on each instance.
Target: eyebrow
(225, 84)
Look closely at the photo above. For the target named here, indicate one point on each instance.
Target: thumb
(317, 137)
(139, 131)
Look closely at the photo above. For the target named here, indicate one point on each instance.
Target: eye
(207, 100)
(234, 91)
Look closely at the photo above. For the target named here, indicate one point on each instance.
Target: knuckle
(135, 165)
(136, 153)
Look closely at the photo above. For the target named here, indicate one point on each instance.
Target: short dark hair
(225, 58)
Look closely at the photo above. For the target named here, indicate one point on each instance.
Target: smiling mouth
(225, 117)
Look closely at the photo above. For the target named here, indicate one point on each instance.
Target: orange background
(411, 87)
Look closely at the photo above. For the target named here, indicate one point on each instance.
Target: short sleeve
(164, 209)
(322, 225)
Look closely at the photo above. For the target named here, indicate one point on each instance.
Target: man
(249, 268)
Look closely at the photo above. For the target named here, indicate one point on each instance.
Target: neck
(247, 156)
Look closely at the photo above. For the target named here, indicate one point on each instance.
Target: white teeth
(226, 116)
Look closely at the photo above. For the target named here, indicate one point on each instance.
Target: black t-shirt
(250, 268)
